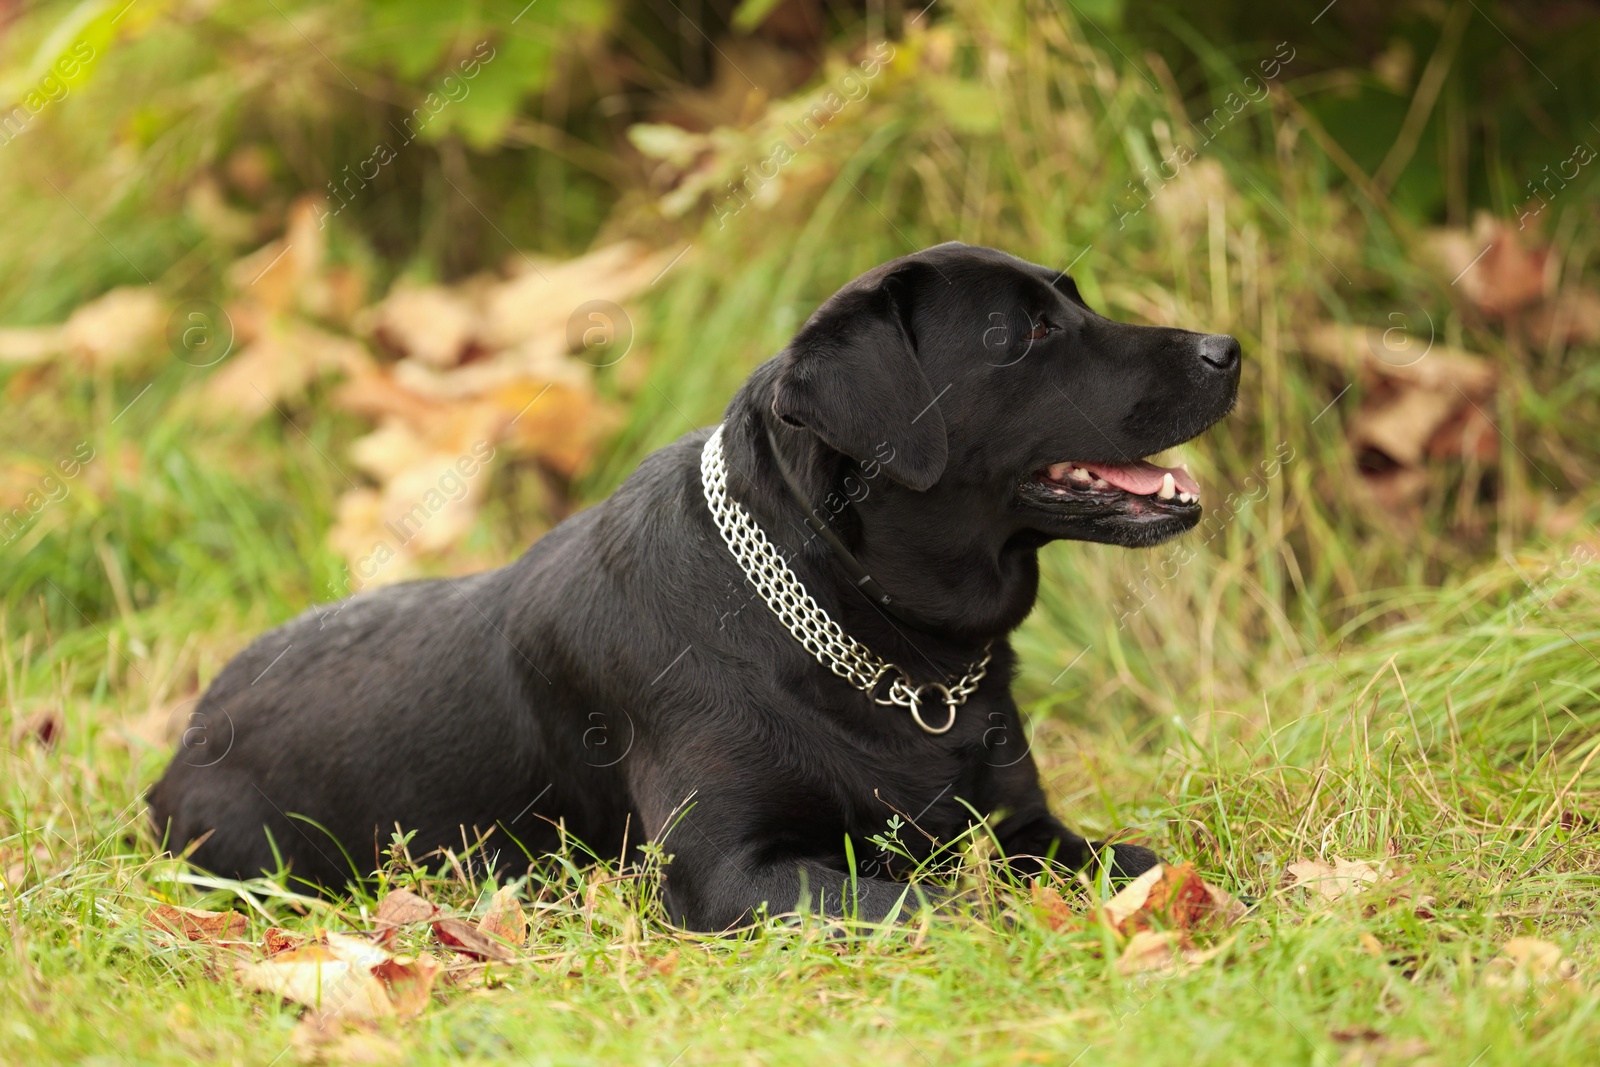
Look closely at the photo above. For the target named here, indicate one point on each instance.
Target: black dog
(941, 417)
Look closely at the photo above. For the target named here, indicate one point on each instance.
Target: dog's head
(1001, 406)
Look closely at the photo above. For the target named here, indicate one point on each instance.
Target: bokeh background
(268, 270)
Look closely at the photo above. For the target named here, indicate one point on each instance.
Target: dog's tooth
(1078, 474)
(1187, 498)
(1168, 489)
(1058, 471)
(1101, 483)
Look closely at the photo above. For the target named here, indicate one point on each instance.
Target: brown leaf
(1421, 400)
(1166, 951)
(428, 323)
(469, 942)
(409, 980)
(101, 333)
(1343, 878)
(505, 919)
(1572, 318)
(1223, 906)
(1400, 422)
(1175, 896)
(30, 344)
(14, 865)
(275, 940)
(467, 976)
(561, 428)
(198, 925)
(275, 274)
(277, 366)
(1528, 961)
(1497, 268)
(1131, 898)
(400, 907)
(540, 303)
(318, 977)
(1054, 910)
(665, 965)
(1347, 1034)
(43, 727)
(1150, 950)
(108, 330)
(374, 393)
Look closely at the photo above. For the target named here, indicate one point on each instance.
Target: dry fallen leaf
(1509, 275)
(1421, 402)
(1572, 318)
(1528, 961)
(14, 865)
(275, 275)
(401, 907)
(275, 940)
(355, 950)
(409, 980)
(484, 365)
(108, 330)
(103, 332)
(1150, 950)
(323, 1038)
(1343, 878)
(428, 323)
(320, 977)
(1174, 896)
(30, 344)
(505, 919)
(1166, 951)
(540, 303)
(43, 727)
(469, 942)
(278, 365)
(1370, 1045)
(1498, 271)
(1054, 909)
(198, 925)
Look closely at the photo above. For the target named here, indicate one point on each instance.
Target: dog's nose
(1220, 351)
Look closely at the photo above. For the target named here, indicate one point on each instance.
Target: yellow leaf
(504, 919)
(318, 978)
(1343, 878)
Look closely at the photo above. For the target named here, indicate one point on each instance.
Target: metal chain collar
(810, 624)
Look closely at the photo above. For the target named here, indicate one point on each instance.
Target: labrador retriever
(772, 639)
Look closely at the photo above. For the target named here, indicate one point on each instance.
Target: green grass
(1319, 680)
(1463, 789)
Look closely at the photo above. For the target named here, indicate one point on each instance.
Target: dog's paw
(1126, 861)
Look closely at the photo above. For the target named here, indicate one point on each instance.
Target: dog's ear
(851, 377)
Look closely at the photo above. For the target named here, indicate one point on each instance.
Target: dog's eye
(1040, 328)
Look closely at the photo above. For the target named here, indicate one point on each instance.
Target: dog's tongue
(1142, 478)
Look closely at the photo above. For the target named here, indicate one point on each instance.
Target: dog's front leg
(712, 892)
(1032, 838)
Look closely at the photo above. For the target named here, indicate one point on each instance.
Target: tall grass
(1260, 237)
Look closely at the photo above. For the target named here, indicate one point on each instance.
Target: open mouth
(1140, 490)
(1163, 485)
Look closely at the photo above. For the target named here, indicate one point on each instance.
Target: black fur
(623, 674)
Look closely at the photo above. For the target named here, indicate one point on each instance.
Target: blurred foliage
(192, 126)
(1322, 150)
